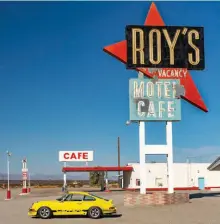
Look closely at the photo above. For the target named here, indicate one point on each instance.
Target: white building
(186, 176)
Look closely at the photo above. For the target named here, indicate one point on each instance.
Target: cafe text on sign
(65, 156)
(165, 47)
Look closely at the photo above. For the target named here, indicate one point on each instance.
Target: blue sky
(60, 91)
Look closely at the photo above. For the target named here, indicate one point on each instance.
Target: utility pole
(119, 164)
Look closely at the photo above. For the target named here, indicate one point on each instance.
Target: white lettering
(174, 89)
(161, 109)
(140, 104)
(151, 110)
(170, 109)
(138, 92)
(157, 109)
(150, 89)
(159, 84)
(167, 89)
(172, 73)
(184, 72)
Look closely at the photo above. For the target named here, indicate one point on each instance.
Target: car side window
(88, 198)
(74, 197)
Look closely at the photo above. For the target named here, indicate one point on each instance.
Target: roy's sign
(165, 47)
(77, 156)
(119, 51)
(149, 101)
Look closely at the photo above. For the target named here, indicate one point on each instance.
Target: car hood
(46, 202)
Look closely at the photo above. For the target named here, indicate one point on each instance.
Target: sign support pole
(169, 139)
(64, 175)
(24, 177)
(8, 169)
(143, 173)
(25, 181)
(29, 182)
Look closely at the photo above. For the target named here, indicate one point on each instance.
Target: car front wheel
(94, 213)
(44, 213)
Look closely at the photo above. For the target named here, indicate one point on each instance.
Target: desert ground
(203, 208)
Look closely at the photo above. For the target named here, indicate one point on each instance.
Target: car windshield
(62, 198)
(99, 197)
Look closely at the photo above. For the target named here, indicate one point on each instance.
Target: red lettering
(76, 156)
(79, 155)
(66, 155)
(73, 156)
(85, 155)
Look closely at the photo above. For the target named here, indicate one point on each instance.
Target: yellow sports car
(73, 203)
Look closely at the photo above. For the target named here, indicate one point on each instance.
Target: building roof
(215, 165)
(97, 168)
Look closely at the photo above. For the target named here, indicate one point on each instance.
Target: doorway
(201, 183)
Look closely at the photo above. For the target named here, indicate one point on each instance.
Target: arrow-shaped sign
(119, 51)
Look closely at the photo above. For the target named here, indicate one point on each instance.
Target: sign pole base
(8, 195)
(24, 191)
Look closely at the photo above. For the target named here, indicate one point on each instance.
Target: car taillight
(32, 210)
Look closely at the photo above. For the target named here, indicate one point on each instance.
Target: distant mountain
(82, 176)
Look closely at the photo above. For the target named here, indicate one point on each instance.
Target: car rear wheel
(44, 213)
(94, 213)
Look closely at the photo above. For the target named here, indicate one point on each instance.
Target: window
(62, 198)
(74, 197)
(88, 198)
(138, 182)
(158, 182)
(99, 197)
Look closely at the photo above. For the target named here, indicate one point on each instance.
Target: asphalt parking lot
(204, 208)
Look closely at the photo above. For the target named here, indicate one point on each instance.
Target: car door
(73, 205)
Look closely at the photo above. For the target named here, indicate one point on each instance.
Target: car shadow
(95, 191)
(81, 216)
(202, 195)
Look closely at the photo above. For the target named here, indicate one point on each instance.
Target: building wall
(185, 175)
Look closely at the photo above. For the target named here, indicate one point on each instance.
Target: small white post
(169, 138)
(106, 180)
(143, 172)
(29, 182)
(64, 175)
(25, 181)
(8, 168)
